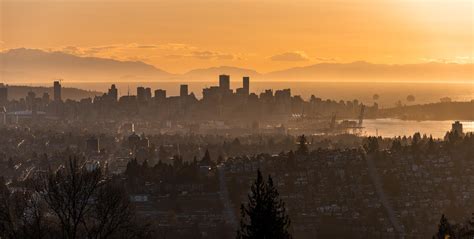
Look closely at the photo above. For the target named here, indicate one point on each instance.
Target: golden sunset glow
(263, 35)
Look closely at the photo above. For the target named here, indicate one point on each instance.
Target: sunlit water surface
(396, 127)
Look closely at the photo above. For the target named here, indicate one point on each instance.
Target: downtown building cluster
(221, 109)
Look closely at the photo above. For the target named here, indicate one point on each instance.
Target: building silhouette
(141, 94)
(160, 95)
(113, 93)
(245, 90)
(45, 99)
(246, 84)
(57, 91)
(147, 94)
(3, 94)
(224, 82)
(183, 91)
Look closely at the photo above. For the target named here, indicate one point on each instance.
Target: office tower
(113, 93)
(30, 98)
(57, 91)
(141, 94)
(3, 115)
(45, 99)
(148, 94)
(3, 94)
(160, 94)
(246, 84)
(183, 91)
(224, 82)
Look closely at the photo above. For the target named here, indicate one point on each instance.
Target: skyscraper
(160, 94)
(57, 91)
(246, 84)
(224, 82)
(3, 115)
(30, 99)
(183, 90)
(113, 93)
(148, 94)
(3, 94)
(141, 94)
(45, 98)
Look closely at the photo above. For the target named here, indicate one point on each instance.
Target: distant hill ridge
(16, 92)
(33, 65)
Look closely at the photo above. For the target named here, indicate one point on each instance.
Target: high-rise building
(141, 94)
(224, 82)
(3, 116)
(246, 84)
(160, 94)
(57, 91)
(30, 99)
(148, 94)
(3, 94)
(113, 93)
(45, 98)
(183, 91)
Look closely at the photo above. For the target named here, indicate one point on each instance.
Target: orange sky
(180, 35)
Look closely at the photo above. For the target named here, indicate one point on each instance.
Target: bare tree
(22, 215)
(70, 193)
(72, 202)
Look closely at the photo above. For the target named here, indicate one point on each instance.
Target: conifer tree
(302, 146)
(264, 216)
(444, 228)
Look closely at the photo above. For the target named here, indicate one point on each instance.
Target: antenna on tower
(128, 90)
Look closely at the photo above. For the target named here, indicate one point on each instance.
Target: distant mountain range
(379, 72)
(32, 65)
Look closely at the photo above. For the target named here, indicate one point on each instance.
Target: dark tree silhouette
(396, 145)
(455, 231)
(206, 160)
(302, 145)
(264, 216)
(72, 202)
(444, 229)
(372, 144)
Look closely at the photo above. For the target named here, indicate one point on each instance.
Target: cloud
(147, 52)
(177, 47)
(147, 46)
(70, 50)
(203, 55)
(206, 55)
(323, 59)
(86, 51)
(290, 56)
